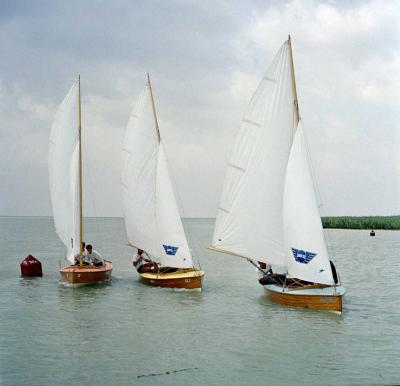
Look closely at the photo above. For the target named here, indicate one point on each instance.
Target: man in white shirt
(92, 257)
(143, 263)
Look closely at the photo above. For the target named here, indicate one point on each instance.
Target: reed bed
(364, 222)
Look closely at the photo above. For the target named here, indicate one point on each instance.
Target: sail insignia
(303, 257)
(170, 249)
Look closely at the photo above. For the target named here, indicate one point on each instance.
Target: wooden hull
(86, 274)
(183, 278)
(328, 298)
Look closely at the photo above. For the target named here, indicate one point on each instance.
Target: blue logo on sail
(170, 249)
(303, 257)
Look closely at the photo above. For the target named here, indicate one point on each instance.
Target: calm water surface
(125, 333)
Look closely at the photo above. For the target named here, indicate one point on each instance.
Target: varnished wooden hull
(321, 299)
(86, 274)
(185, 278)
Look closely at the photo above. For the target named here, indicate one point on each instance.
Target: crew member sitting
(143, 264)
(80, 257)
(92, 257)
(265, 267)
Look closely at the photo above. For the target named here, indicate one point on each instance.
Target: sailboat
(65, 180)
(268, 212)
(152, 219)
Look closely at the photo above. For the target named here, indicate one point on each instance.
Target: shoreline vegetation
(328, 222)
(361, 222)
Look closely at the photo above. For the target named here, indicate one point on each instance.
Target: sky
(205, 59)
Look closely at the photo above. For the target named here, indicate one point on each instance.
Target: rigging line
(256, 265)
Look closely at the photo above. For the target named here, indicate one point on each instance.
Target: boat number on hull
(187, 280)
(152, 281)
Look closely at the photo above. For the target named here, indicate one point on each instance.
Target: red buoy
(31, 266)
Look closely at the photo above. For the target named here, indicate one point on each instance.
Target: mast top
(295, 100)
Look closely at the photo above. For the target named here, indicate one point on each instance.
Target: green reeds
(364, 222)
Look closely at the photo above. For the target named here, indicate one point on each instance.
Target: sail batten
(251, 122)
(270, 79)
(151, 214)
(237, 167)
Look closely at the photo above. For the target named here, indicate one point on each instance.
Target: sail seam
(251, 122)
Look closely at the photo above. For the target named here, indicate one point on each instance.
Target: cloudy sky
(205, 59)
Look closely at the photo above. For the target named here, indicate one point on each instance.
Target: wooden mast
(80, 172)
(154, 108)
(296, 102)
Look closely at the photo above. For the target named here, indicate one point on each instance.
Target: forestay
(152, 219)
(64, 172)
(249, 220)
(306, 252)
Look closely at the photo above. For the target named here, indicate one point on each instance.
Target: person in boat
(265, 267)
(92, 257)
(142, 263)
(79, 256)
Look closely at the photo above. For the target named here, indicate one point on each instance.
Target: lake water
(125, 333)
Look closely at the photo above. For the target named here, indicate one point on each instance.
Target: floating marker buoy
(31, 266)
(372, 233)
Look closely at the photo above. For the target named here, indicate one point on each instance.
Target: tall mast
(80, 170)
(154, 108)
(296, 102)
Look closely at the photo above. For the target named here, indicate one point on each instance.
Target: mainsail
(64, 172)
(306, 252)
(152, 218)
(249, 220)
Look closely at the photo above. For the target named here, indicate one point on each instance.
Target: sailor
(79, 256)
(143, 263)
(92, 257)
(265, 267)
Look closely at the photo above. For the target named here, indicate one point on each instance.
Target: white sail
(151, 215)
(249, 220)
(64, 172)
(170, 230)
(306, 252)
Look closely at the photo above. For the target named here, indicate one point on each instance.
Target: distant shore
(362, 222)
